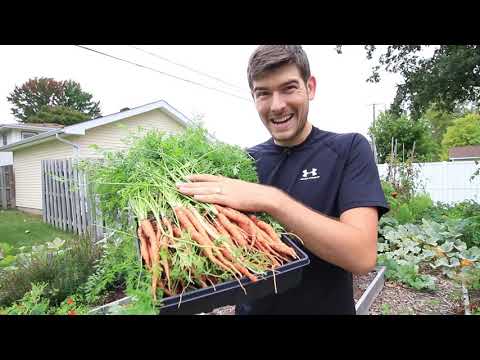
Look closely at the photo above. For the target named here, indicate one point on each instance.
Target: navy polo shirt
(330, 173)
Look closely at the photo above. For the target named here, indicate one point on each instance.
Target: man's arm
(349, 243)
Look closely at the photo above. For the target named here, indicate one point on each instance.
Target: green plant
(407, 274)
(63, 265)
(32, 303)
(386, 309)
(406, 247)
(72, 305)
(119, 266)
(468, 212)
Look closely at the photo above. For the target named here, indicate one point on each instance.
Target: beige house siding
(27, 168)
(110, 136)
(27, 161)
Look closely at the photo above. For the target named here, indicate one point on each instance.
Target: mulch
(399, 299)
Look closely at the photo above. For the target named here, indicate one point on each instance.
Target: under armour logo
(311, 173)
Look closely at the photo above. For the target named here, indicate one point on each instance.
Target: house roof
(79, 129)
(462, 152)
(29, 126)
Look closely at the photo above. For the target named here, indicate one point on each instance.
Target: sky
(342, 102)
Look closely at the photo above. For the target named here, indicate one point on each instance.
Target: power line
(163, 73)
(187, 67)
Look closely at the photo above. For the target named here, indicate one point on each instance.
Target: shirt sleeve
(361, 185)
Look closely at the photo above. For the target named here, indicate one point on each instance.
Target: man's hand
(237, 194)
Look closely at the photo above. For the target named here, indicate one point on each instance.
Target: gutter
(75, 146)
(21, 143)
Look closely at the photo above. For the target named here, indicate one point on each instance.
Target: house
(74, 141)
(462, 153)
(10, 133)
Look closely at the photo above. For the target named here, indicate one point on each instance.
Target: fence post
(44, 203)
(3, 187)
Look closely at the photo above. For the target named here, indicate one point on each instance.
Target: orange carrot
(176, 231)
(200, 239)
(268, 230)
(236, 235)
(144, 247)
(198, 226)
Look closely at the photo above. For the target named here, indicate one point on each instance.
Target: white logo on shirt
(310, 175)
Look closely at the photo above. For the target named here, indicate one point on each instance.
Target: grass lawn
(19, 229)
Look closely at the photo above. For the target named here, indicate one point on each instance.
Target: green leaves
(448, 76)
(464, 131)
(407, 132)
(48, 100)
(437, 244)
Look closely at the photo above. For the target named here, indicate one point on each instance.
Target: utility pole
(373, 137)
(373, 107)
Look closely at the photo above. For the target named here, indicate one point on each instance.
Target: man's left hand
(237, 194)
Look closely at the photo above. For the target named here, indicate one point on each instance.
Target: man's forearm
(333, 241)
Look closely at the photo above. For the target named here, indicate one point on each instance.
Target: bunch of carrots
(230, 242)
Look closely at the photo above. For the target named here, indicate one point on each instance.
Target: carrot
(155, 254)
(281, 248)
(162, 241)
(208, 228)
(233, 215)
(176, 231)
(268, 230)
(168, 224)
(150, 235)
(197, 225)
(236, 235)
(144, 247)
(205, 242)
(220, 228)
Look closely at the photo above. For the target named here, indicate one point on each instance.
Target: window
(27, 134)
(4, 139)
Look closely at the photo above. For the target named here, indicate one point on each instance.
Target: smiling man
(322, 186)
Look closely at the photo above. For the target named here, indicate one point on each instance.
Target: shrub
(63, 266)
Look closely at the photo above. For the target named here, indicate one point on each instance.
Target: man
(322, 186)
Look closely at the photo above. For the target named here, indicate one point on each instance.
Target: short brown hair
(266, 58)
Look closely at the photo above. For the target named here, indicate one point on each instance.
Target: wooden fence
(7, 187)
(67, 203)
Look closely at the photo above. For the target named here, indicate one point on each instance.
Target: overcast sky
(342, 102)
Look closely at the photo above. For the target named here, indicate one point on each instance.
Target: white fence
(448, 182)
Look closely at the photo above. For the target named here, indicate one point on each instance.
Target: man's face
(282, 99)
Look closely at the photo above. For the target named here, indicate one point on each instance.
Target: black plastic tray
(204, 300)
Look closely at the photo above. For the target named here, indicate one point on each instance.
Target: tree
(406, 133)
(449, 78)
(58, 115)
(32, 97)
(439, 121)
(464, 131)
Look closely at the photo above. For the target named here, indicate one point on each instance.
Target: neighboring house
(10, 133)
(74, 142)
(462, 153)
